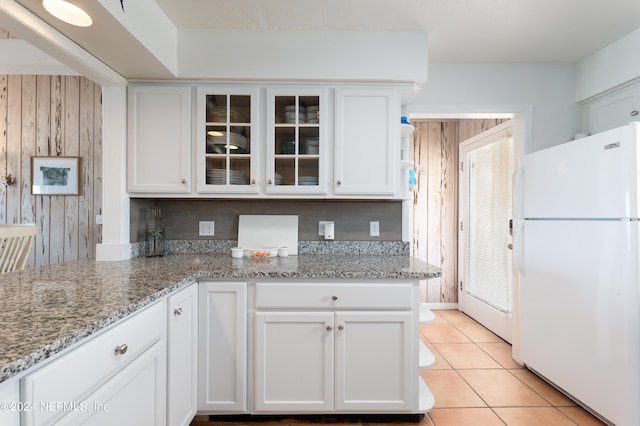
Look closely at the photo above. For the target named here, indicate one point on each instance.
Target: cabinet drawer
(334, 295)
(77, 373)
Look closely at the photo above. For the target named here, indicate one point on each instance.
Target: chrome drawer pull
(122, 349)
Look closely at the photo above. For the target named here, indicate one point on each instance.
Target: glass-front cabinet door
(228, 137)
(296, 141)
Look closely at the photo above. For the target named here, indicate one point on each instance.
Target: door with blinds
(484, 238)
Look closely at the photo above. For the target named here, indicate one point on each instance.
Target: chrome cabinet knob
(183, 181)
(269, 182)
(634, 113)
(253, 181)
(177, 311)
(122, 349)
(339, 182)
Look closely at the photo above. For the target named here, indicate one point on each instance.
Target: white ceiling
(458, 30)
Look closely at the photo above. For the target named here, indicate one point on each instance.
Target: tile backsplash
(351, 218)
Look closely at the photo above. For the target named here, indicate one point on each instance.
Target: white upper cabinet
(367, 142)
(296, 142)
(227, 140)
(159, 139)
(614, 110)
(247, 141)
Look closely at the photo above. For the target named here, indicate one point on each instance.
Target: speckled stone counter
(45, 310)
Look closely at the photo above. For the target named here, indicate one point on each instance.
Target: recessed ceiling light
(68, 12)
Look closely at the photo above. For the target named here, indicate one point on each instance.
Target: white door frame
(522, 116)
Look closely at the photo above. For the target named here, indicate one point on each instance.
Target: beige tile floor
(476, 383)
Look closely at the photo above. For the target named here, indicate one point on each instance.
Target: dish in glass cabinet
(217, 144)
(219, 177)
(308, 180)
(219, 115)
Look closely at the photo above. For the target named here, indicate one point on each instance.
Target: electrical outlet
(207, 228)
(374, 229)
(321, 225)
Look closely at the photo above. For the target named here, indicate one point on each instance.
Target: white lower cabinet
(222, 361)
(375, 353)
(117, 377)
(182, 356)
(324, 356)
(294, 354)
(10, 398)
(135, 395)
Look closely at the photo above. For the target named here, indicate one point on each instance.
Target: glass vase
(155, 233)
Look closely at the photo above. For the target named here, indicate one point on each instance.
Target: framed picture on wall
(55, 175)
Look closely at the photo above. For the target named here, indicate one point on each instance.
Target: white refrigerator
(577, 247)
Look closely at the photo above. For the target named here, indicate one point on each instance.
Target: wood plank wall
(435, 199)
(54, 116)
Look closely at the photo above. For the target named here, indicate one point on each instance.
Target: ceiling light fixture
(68, 12)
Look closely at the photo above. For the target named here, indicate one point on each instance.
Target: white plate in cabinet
(159, 139)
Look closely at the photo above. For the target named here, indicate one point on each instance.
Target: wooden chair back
(15, 244)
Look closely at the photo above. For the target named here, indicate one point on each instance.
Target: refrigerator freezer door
(593, 177)
(580, 312)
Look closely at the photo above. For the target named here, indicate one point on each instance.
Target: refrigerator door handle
(518, 244)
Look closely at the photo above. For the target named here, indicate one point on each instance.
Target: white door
(484, 239)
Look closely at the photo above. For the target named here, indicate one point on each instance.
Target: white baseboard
(436, 306)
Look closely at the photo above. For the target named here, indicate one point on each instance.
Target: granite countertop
(45, 310)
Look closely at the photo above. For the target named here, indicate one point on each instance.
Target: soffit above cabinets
(127, 51)
(153, 39)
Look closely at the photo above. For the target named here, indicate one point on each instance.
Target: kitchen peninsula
(52, 313)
